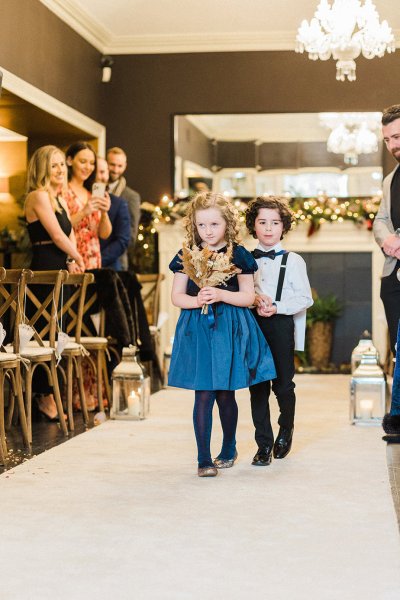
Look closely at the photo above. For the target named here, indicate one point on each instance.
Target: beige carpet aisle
(119, 512)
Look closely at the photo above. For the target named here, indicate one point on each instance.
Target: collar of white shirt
(277, 247)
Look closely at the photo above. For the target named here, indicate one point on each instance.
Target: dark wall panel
(145, 92)
(347, 276)
(38, 47)
(236, 154)
(192, 144)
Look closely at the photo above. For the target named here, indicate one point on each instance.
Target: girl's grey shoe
(224, 463)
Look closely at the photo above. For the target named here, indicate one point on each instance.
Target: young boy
(283, 295)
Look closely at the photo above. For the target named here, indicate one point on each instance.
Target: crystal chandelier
(344, 30)
(352, 134)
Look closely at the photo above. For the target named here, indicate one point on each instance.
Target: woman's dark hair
(273, 202)
(72, 152)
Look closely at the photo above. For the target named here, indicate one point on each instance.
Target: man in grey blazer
(117, 163)
(387, 224)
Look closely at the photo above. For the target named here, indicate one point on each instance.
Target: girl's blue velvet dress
(230, 355)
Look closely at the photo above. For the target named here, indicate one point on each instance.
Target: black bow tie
(270, 254)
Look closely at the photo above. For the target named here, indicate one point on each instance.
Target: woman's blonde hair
(39, 173)
(204, 200)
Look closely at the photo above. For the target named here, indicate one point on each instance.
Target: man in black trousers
(387, 224)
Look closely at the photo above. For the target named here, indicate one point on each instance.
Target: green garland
(312, 211)
(316, 211)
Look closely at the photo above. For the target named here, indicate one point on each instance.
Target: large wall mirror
(297, 154)
(325, 156)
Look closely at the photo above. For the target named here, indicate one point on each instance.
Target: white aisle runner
(119, 512)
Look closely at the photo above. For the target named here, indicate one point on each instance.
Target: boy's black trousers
(278, 330)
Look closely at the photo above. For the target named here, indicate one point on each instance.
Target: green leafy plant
(325, 309)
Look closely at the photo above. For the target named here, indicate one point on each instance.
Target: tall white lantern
(130, 388)
(363, 345)
(368, 398)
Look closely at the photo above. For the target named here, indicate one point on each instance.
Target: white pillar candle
(134, 404)
(366, 407)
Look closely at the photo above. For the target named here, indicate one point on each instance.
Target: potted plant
(320, 322)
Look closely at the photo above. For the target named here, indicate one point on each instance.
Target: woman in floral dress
(89, 218)
(89, 214)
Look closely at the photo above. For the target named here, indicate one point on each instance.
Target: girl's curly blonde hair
(204, 200)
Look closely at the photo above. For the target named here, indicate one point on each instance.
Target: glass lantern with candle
(368, 397)
(130, 388)
(364, 344)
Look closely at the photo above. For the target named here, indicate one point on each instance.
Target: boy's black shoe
(283, 442)
(263, 457)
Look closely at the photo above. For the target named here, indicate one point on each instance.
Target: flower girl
(218, 346)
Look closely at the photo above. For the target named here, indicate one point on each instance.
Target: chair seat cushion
(36, 351)
(100, 341)
(70, 346)
(7, 356)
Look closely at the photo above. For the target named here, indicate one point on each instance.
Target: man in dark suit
(387, 224)
(117, 163)
(116, 244)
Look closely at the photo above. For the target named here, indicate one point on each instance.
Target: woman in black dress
(50, 231)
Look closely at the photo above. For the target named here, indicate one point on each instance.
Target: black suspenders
(281, 279)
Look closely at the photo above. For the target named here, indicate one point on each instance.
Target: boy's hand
(265, 306)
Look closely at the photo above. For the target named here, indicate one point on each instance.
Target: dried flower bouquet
(207, 267)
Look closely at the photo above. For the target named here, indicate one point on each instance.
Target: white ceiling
(287, 127)
(157, 26)
(263, 127)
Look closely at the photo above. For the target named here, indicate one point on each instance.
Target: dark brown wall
(38, 47)
(146, 91)
(191, 144)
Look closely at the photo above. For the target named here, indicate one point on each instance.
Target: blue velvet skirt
(229, 355)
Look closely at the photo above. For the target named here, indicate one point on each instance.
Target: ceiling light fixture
(352, 134)
(344, 30)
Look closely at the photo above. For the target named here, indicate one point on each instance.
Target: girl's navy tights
(202, 421)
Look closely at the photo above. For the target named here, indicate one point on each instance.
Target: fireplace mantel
(331, 237)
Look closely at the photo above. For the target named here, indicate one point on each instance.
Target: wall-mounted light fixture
(106, 64)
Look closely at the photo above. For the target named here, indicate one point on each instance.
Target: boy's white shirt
(296, 292)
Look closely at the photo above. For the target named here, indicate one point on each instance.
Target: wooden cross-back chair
(97, 346)
(70, 315)
(10, 368)
(43, 320)
(150, 292)
(151, 287)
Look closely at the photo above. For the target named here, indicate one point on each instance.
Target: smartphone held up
(99, 190)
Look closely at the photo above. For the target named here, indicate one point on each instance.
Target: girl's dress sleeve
(176, 263)
(244, 260)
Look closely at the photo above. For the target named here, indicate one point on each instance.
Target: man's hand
(391, 245)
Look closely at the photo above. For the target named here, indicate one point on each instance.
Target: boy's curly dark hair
(274, 202)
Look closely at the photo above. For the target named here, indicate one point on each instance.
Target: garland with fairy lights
(312, 211)
(323, 209)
